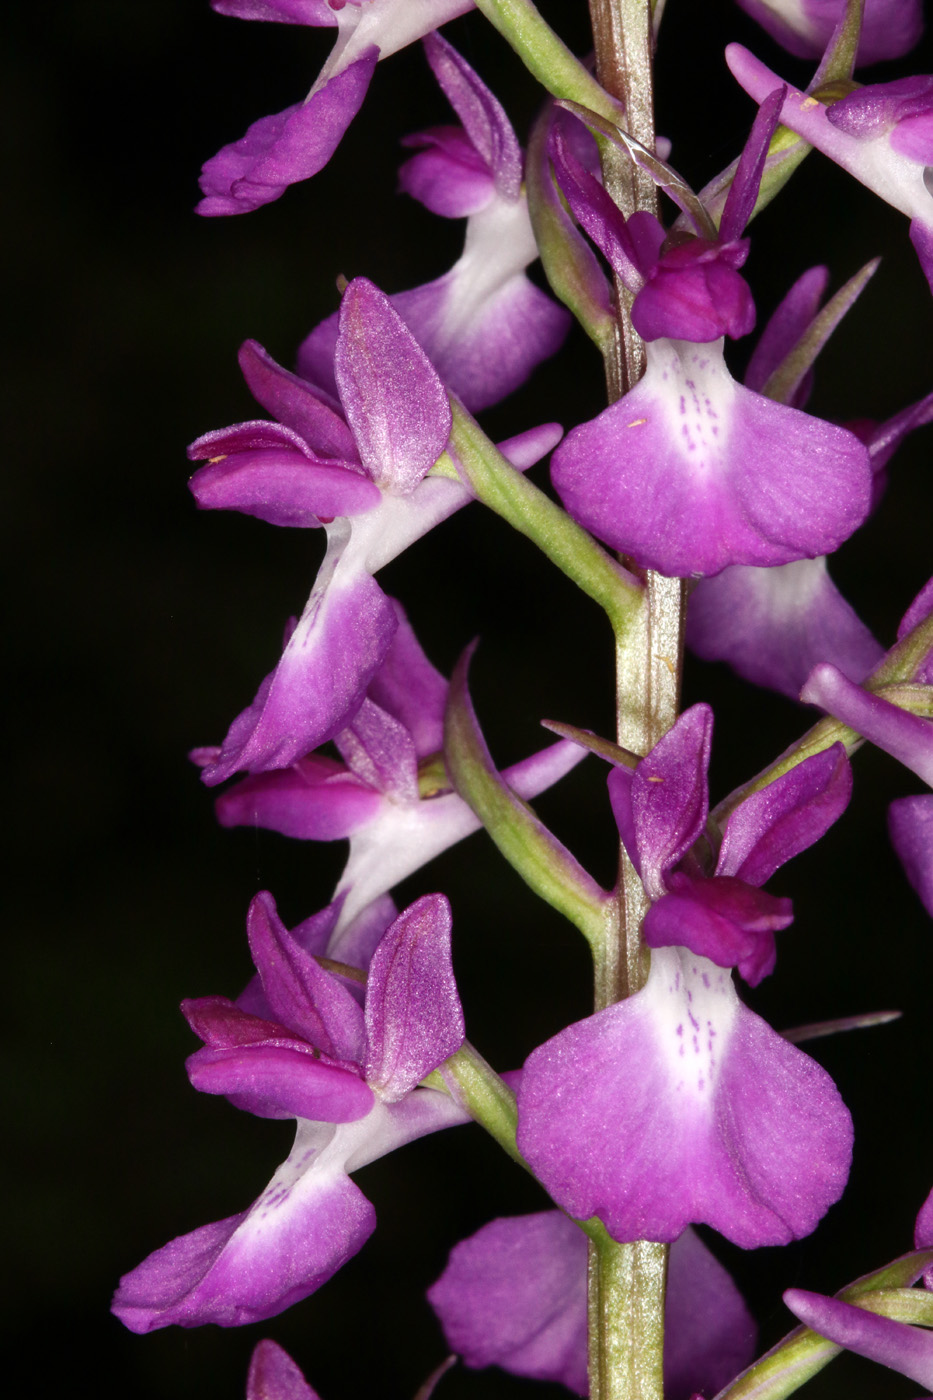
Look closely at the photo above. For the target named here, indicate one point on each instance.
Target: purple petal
(890, 28)
(394, 401)
(357, 939)
(893, 1344)
(746, 182)
(246, 437)
(337, 647)
(773, 626)
(308, 1222)
(283, 488)
(906, 737)
(884, 438)
(302, 995)
(379, 750)
(281, 1080)
(285, 12)
(723, 919)
(910, 823)
(280, 150)
(273, 1375)
(315, 799)
(786, 817)
(414, 1020)
(785, 327)
(694, 1111)
(514, 1295)
(697, 298)
(921, 236)
(294, 402)
(482, 115)
(690, 472)
(923, 1234)
(410, 688)
(221, 1023)
(599, 215)
(448, 176)
(669, 796)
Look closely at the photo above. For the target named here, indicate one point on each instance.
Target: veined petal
(910, 823)
(414, 1019)
(514, 1295)
(773, 626)
(379, 750)
(273, 1375)
(669, 796)
(308, 1222)
(281, 1080)
(280, 150)
(339, 643)
(394, 402)
(297, 403)
(410, 688)
(283, 487)
(694, 1110)
(482, 115)
(314, 799)
(690, 472)
(317, 12)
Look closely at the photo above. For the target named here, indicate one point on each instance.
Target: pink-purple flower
(890, 28)
(298, 1044)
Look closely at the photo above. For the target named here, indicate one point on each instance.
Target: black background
(138, 628)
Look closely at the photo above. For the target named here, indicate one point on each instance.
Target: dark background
(138, 628)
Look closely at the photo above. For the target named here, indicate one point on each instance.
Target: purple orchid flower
(361, 473)
(882, 134)
(299, 1045)
(514, 1295)
(696, 1111)
(896, 1345)
(483, 325)
(690, 472)
(390, 796)
(280, 150)
(890, 28)
(661, 809)
(773, 626)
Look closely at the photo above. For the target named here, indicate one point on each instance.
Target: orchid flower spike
(890, 28)
(356, 464)
(689, 472)
(483, 325)
(278, 151)
(514, 1295)
(882, 134)
(299, 1045)
(390, 795)
(646, 1081)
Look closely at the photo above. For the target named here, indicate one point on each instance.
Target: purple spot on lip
(680, 1029)
(705, 979)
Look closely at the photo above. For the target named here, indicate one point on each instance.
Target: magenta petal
(410, 688)
(786, 817)
(273, 1375)
(890, 28)
(394, 401)
(923, 1234)
(481, 113)
(294, 402)
(337, 647)
(773, 626)
(921, 236)
(690, 472)
(785, 327)
(315, 799)
(906, 737)
(283, 487)
(414, 1020)
(723, 919)
(278, 151)
(514, 1295)
(894, 1344)
(307, 1223)
(910, 822)
(694, 1111)
(379, 750)
(669, 795)
(281, 1081)
(301, 994)
(448, 176)
(285, 12)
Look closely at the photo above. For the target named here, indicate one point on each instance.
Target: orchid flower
(694, 1110)
(890, 28)
(361, 474)
(514, 1295)
(299, 1045)
(483, 325)
(390, 795)
(280, 150)
(690, 472)
(773, 626)
(882, 134)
